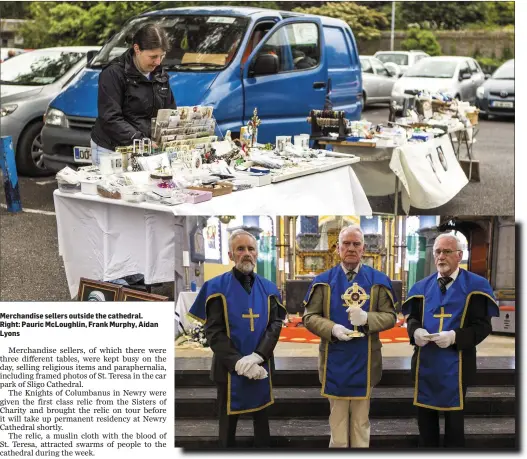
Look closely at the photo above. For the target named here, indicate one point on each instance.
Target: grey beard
(246, 267)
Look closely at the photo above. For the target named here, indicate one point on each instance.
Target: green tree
(501, 13)
(76, 23)
(455, 15)
(424, 40)
(365, 22)
(14, 10)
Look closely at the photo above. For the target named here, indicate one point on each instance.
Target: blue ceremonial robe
(438, 381)
(244, 394)
(347, 368)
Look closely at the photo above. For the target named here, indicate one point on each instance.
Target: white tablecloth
(429, 172)
(184, 303)
(106, 239)
(426, 183)
(335, 192)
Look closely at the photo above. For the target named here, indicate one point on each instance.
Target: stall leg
(8, 165)
(396, 199)
(453, 146)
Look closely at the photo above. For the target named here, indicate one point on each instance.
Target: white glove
(357, 316)
(243, 365)
(340, 332)
(256, 372)
(419, 337)
(445, 338)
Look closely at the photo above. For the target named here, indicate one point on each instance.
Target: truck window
(296, 45)
(336, 48)
(198, 43)
(256, 37)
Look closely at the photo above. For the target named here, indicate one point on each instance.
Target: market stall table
(337, 192)
(106, 239)
(466, 137)
(429, 171)
(184, 303)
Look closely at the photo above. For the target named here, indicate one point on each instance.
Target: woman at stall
(132, 88)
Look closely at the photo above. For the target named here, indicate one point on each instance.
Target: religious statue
(252, 125)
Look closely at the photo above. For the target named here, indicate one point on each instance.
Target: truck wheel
(29, 152)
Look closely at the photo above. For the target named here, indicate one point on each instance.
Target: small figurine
(253, 124)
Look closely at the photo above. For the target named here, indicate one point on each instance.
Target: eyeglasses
(446, 252)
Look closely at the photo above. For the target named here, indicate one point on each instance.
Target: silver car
(28, 83)
(404, 59)
(377, 80)
(456, 76)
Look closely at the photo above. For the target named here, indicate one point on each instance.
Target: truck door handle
(319, 84)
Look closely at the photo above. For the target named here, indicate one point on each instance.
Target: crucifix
(441, 317)
(251, 317)
(355, 296)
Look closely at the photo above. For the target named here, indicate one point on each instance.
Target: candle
(186, 259)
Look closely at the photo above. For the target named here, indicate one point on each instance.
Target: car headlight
(480, 92)
(7, 109)
(55, 117)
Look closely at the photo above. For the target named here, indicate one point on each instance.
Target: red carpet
(296, 333)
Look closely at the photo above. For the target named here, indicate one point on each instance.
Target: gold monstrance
(355, 296)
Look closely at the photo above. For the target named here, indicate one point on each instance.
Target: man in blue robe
(350, 296)
(449, 314)
(243, 315)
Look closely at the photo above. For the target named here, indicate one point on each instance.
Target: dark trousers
(228, 423)
(428, 421)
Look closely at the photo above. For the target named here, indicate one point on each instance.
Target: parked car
(4, 53)
(220, 58)
(404, 59)
(377, 80)
(28, 83)
(456, 76)
(496, 95)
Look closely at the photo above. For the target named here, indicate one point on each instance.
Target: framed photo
(128, 294)
(212, 235)
(197, 245)
(90, 290)
(313, 261)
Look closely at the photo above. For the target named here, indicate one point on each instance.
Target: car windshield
(198, 43)
(427, 68)
(505, 72)
(399, 59)
(38, 68)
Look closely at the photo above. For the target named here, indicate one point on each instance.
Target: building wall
(211, 270)
(504, 266)
(453, 42)
(9, 38)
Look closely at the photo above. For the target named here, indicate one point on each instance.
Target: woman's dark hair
(151, 36)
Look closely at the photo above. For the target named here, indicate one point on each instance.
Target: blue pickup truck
(224, 57)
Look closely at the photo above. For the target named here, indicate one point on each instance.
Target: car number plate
(82, 154)
(501, 104)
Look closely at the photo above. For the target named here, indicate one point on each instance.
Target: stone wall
(456, 43)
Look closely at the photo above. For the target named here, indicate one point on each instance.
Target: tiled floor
(501, 346)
